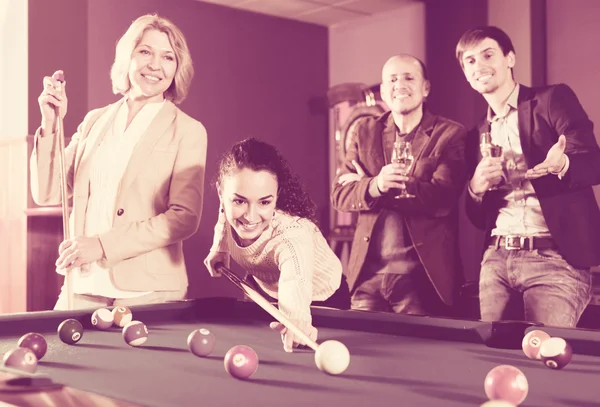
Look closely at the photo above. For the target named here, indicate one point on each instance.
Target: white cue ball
(332, 357)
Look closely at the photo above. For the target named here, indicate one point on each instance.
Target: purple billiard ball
(135, 333)
(201, 342)
(34, 342)
(506, 383)
(241, 362)
(70, 331)
(102, 318)
(21, 359)
(556, 353)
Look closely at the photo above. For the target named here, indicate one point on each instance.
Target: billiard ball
(20, 359)
(532, 343)
(241, 362)
(70, 331)
(506, 383)
(332, 357)
(201, 342)
(497, 403)
(556, 353)
(122, 316)
(102, 318)
(34, 342)
(135, 333)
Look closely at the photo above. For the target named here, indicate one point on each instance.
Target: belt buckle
(513, 242)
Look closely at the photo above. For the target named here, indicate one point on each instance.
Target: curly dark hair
(257, 155)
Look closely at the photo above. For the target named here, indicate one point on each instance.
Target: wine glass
(402, 154)
(489, 149)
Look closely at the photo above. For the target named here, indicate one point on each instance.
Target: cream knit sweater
(291, 261)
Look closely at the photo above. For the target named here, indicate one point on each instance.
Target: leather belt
(522, 242)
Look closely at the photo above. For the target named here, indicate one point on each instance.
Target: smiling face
(153, 66)
(248, 198)
(403, 87)
(486, 67)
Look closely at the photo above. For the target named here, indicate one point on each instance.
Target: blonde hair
(119, 73)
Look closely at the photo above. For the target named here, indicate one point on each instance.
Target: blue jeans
(399, 293)
(538, 284)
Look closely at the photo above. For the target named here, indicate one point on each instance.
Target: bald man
(404, 255)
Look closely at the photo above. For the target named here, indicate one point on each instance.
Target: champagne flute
(402, 154)
(489, 149)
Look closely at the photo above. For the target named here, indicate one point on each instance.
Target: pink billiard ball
(102, 319)
(201, 342)
(556, 353)
(135, 333)
(497, 403)
(21, 359)
(241, 362)
(34, 342)
(532, 343)
(506, 383)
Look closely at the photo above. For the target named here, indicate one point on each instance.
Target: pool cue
(60, 133)
(264, 304)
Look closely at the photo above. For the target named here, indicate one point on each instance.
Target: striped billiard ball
(556, 353)
(102, 318)
(135, 333)
(122, 316)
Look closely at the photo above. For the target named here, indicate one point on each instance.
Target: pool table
(396, 360)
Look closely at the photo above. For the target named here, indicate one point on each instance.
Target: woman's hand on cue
(289, 339)
(79, 251)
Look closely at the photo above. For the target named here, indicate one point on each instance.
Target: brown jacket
(158, 203)
(439, 177)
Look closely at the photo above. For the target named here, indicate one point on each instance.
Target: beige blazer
(159, 200)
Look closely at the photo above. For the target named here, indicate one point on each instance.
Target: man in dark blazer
(404, 256)
(542, 224)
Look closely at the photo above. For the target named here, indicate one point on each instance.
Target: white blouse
(106, 170)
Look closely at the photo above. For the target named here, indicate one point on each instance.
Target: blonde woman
(135, 172)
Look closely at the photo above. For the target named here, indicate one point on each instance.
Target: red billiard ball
(556, 353)
(122, 316)
(532, 343)
(35, 342)
(201, 342)
(102, 318)
(135, 333)
(241, 362)
(70, 331)
(20, 359)
(506, 383)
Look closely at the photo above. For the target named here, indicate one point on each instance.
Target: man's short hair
(475, 35)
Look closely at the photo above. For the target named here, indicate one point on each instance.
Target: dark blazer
(569, 206)
(431, 218)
